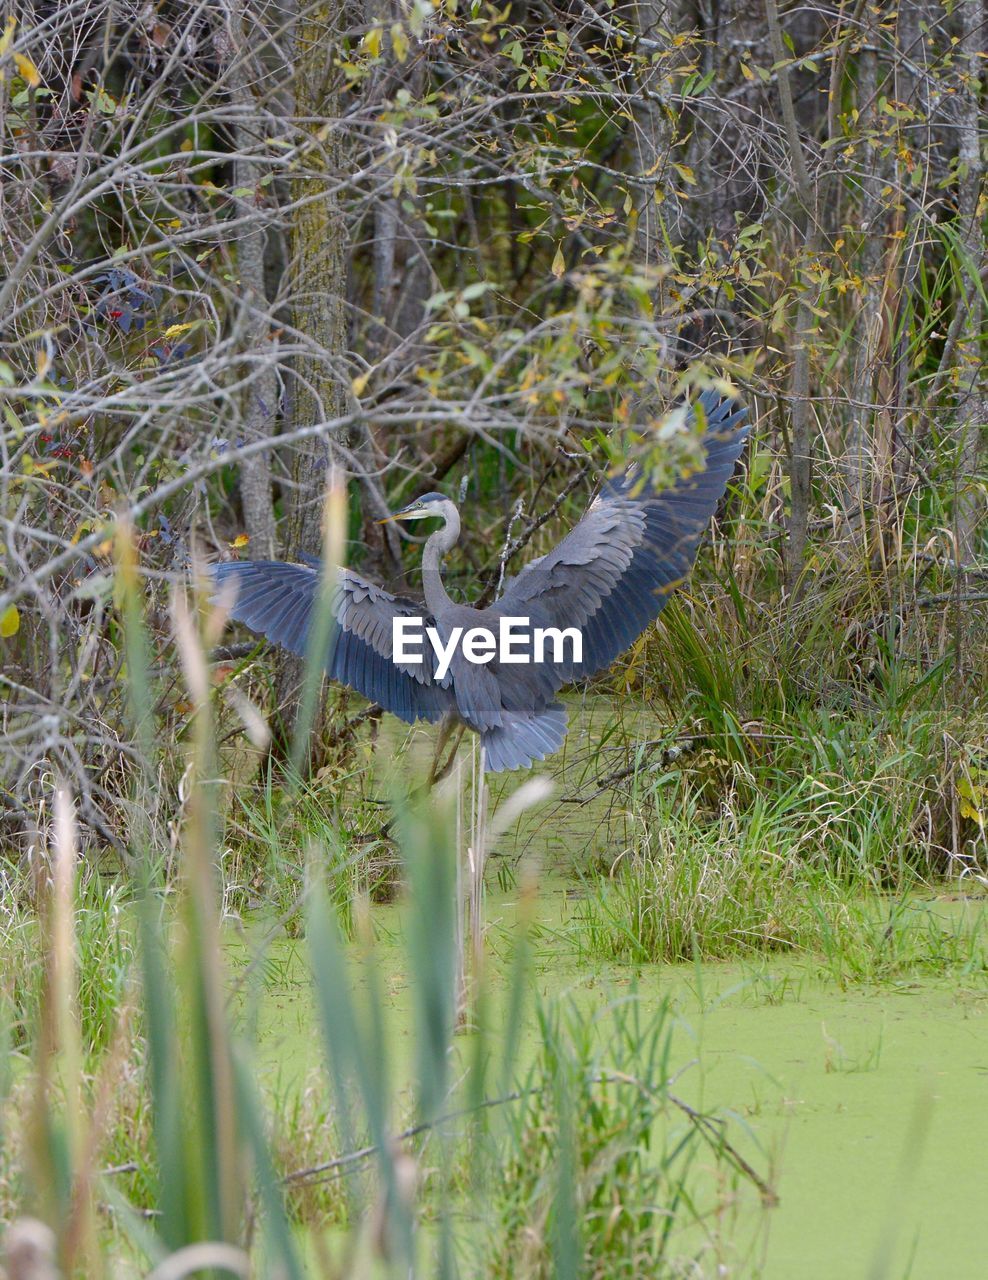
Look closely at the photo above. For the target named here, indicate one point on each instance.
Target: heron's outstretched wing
(611, 575)
(278, 600)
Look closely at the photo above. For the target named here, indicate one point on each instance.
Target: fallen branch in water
(708, 1127)
(671, 753)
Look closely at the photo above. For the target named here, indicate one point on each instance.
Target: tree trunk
(317, 277)
(653, 137)
(918, 34)
(808, 204)
(973, 387)
(859, 451)
(260, 396)
(402, 280)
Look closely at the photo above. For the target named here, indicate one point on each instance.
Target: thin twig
(364, 1153)
(525, 537)
(709, 1128)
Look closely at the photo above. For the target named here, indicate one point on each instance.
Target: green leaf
(10, 622)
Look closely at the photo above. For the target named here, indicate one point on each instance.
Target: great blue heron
(608, 578)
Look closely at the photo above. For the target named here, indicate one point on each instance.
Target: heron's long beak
(406, 513)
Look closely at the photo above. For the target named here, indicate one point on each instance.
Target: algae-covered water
(867, 1109)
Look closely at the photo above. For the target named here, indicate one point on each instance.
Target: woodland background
(461, 245)
(485, 248)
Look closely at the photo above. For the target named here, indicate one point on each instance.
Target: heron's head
(430, 505)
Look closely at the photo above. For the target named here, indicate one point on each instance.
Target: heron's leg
(445, 729)
(437, 773)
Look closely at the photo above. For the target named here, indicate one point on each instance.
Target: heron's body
(609, 578)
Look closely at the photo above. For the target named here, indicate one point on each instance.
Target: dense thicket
(476, 245)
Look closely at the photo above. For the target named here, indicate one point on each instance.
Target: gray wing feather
(612, 574)
(278, 600)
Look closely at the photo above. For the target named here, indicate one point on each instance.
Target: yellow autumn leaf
(241, 540)
(10, 622)
(359, 383)
(372, 42)
(27, 71)
(973, 798)
(8, 35)
(558, 263)
(176, 330)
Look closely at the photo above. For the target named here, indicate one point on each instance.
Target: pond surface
(866, 1109)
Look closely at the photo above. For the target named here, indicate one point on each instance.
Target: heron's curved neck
(432, 559)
